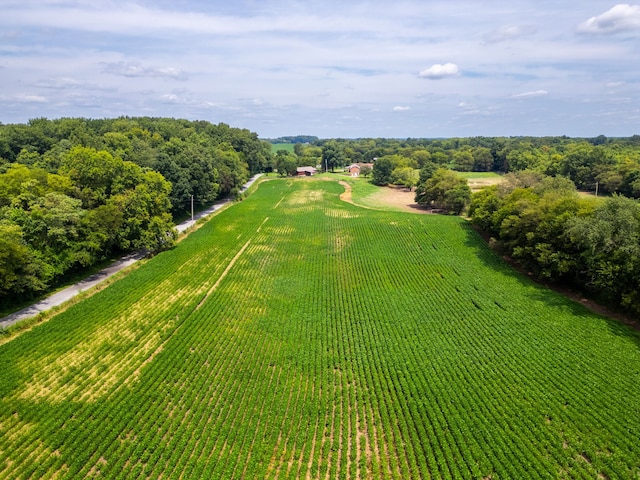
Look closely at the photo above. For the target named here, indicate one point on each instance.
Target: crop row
(297, 336)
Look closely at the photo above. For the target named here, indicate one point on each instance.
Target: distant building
(306, 171)
(355, 168)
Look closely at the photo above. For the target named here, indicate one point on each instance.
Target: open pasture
(298, 336)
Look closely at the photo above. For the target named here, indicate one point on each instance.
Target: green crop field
(282, 146)
(298, 336)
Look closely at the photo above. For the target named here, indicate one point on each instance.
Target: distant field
(295, 335)
(282, 146)
(479, 180)
(478, 175)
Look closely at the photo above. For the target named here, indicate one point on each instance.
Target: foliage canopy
(75, 192)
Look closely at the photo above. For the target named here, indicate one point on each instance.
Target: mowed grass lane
(298, 336)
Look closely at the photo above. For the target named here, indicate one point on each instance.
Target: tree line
(600, 165)
(611, 165)
(544, 224)
(75, 192)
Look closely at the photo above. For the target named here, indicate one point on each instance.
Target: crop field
(298, 336)
(282, 146)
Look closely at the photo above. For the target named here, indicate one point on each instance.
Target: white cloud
(125, 69)
(509, 32)
(438, 71)
(399, 108)
(58, 83)
(620, 18)
(28, 98)
(170, 98)
(536, 93)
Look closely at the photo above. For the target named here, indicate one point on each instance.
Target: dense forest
(75, 191)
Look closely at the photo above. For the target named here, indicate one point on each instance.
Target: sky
(333, 69)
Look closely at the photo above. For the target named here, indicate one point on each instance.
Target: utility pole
(596, 189)
(192, 208)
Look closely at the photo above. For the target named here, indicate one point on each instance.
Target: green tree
(232, 170)
(190, 166)
(426, 172)
(92, 172)
(445, 190)
(299, 149)
(406, 176)
(332, 156)
(482, 159)
(462, 160)
(610, 243)
(146, 222)
(365, 170)
(286, 163)
(382, 169)
(21, 269)
(99, 229)
(21, 185)
(421, 157)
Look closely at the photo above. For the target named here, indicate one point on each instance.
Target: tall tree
(610, 240)
(332, 156)
(382, 169)
(21, 269)
(406, 176)
(445, 190)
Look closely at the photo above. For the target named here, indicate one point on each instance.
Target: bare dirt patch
(476, 184)
(398, 198)
(401, 198)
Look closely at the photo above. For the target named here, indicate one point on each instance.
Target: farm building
(306, 171)
(355, 168)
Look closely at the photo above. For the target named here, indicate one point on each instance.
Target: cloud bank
(332, 68)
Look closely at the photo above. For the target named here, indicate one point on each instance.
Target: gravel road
(70, 292)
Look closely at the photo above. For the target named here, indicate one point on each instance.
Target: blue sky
(331, 69)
